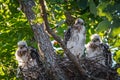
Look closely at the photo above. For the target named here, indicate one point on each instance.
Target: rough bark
(44, 44)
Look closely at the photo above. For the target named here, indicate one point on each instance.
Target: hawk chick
(28, 61)
(75, 38)
(98, 51)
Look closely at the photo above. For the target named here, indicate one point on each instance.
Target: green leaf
(101, 7)
(118, 71)
(115, 26)
(117, 57)
(82, 4)
(115, 31)
(92, 6)
(102, 26)
(117, 43)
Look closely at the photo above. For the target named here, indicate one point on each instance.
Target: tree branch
(45, 47)
(58, 39)
(69, 19)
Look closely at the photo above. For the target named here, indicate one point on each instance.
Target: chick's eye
(82, 23)
(24, 45)
(21, 47)
(78, 22)
(97, 39)
(94, 40)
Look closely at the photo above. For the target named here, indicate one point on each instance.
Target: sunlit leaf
(101, 10)
(117, 43)
(117, 57)
(118, 71)
(116, 31)
(115, 26)
(102, 26)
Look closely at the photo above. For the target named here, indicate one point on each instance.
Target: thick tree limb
(58, 39)
(44, 44)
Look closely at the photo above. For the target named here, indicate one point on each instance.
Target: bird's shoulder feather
(67, 35)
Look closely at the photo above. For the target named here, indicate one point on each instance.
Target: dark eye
(97, 39)
(21, 47)
(24, 45)
(77, 22)
(94, 40)
(82, 23)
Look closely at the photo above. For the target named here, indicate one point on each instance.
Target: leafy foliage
(13, 27)
(100, 16)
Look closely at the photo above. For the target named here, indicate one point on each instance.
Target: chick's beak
(79, 28)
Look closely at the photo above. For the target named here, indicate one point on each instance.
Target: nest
(95, 70)
(33, 73)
